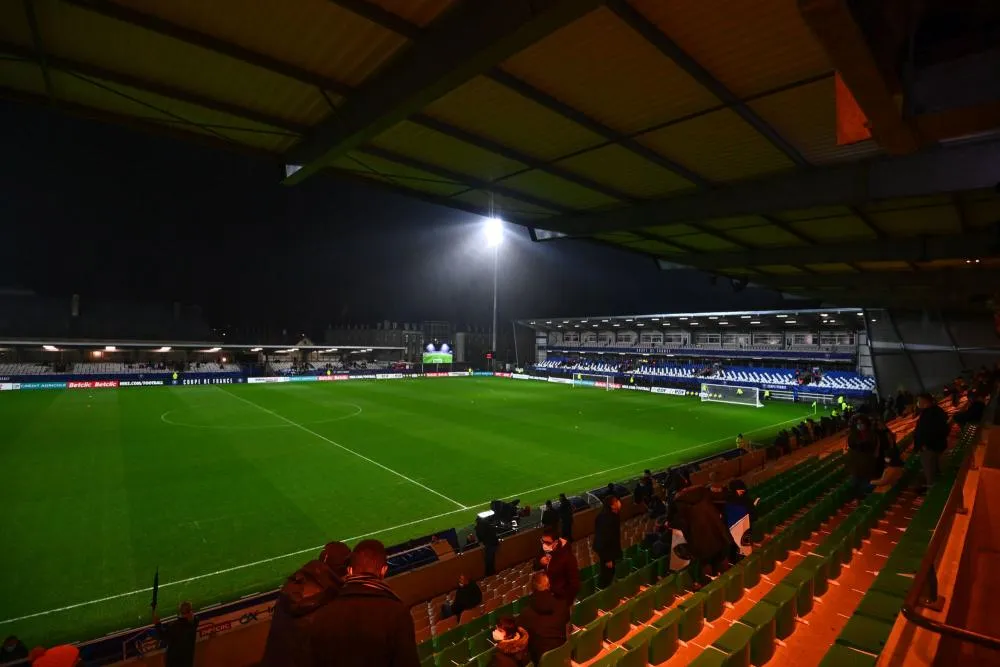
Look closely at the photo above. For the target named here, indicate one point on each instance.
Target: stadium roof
(204, 346)
(699, 133)
(812, 319)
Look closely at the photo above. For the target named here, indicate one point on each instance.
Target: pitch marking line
(346, 449)
(272, 559)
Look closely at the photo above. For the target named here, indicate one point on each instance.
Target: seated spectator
(545, 619)
(179, 636)
(559, 562)
(657, 505)
(891, 474)
(549, 515)
(13, 650)
(511, 644)
(312, 586)
(64, 655)
(467, 596)
(366, 624)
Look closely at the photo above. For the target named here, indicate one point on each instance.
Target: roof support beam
(465, 42)
(833, 24)
(83, 69)
(957, 167)
(670, 49)
(193, 37)
(379, 16)
(911, 249)
(461, 179)
(887, 281)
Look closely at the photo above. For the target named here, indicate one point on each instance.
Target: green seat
(639, 559)
(664, 643)
(557, 657)
(631, 584)
(589, 572)
(778, 547)
(845, 656)
(880, 606)
(610, 660)
(521, 604)
(588, 642)
(477, 625)
(710, 657)
(480, 642)
(665, 592)
(735, 643)
(587, 588)
(766, 556)
(636, 657)
(692, 616)
(684, 579)
(650, 574)
(456, 654)
(608, 598)
(866, 634)
(428, 661)
(715, 598)
(892, 583)
(622, 569)
(761, 619)
(782, 597)
(618, 623)
(425, 650)
(450, 638)
(734, 584)
(804, 582)
(585, 611)
(819, 566)
(497, 614)
(751, 570)
(642, 607)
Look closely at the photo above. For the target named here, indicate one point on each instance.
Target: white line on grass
(346, 449)
(272, 559)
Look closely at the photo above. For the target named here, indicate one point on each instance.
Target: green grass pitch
(228, 488)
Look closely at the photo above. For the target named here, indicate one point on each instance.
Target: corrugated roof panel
(668, 231)
(807, 118)
(180, 115)
(767, 236)
(315, 35)
(883, 266)
(908, 203)
(22, 76)
(617, 237)
(982, 212)
(15, 23)
(419, 12)
(601, 67)
(743, 222)
(559, 191)
(835, 267)
(814, 213)
(720, 146)
(915, 221)
(393, 173)
(432, 147)
(708, 242)
(626, 172)
(843, 228)
(80, 35)
(782, 269)
(654, 248)
(750, 46)
(491, 110)
(504, 205)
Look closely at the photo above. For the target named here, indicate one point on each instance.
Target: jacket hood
(309, 588)
(692, 495)
(518, 644)
(367, 585)
(543, 602)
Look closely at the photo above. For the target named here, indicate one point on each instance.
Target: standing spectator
(13, 650)
(549, 515)
(179, 636)
(644, 489)
(560, 564)
(861, 452)
(545, 619)
(973, 412)
(608, 540)
(930, 436)
(366, 624)
(467, 596)
(314, 585)
(487, 536)
(708, 539)
(566, 517)
(511, 644)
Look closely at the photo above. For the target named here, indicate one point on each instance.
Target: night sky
(109, 212)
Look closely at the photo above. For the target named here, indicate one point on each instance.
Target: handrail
(927, 574)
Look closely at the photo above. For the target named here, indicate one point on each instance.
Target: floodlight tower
(494, 239)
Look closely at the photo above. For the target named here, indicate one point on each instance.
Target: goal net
(724, 393)
(595, 380)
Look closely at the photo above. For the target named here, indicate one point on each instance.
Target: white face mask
(498, 635)
(548, 548)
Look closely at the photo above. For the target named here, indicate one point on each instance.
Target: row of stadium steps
(607, 615)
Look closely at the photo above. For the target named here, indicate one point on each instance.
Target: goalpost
(732, 394)
(607, 382)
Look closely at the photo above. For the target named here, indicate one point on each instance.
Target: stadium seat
(692, 616)
(618, 623)
(588, 642)
(782, 597)
(761, 618)
(557, 657)
(642, 607)
(865, 634)
(664, 642)
(456, 654)
(735, 644)
(585, 611)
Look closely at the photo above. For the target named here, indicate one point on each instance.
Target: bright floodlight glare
(50, 348)
(110, 348)
(163, 349)
(494, 232)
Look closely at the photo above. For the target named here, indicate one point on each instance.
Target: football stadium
(472, 333)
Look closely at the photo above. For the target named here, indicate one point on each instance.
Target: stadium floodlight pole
(494, 238)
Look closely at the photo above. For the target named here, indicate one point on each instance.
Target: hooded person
(544, 619)
(311, 587)
(511, 644)
(862, 450)
(559, 563)
(708, 539)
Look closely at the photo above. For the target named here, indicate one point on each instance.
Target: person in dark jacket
(644, 489)
(560, 564)
(930, 436)
(708, 539)
(608, 540)
(312, 586)
(549, 515)
(566, 517)
(13, 650)
(973, 413)
(366, 624)
(511, 644)
(467, 596)
(487, 536)
(545, 619)
(862, 448)
(179, 636)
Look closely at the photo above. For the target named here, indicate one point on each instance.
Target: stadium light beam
(50, 348)
(494, 239)
(163, 349)
(110, 348)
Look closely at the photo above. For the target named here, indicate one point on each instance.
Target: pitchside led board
(438, 353)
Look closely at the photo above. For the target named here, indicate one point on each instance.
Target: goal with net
(595, 380)
(732, 394)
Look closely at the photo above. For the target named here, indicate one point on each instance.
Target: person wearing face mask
(511, 644)
(366, 624)
(861, 452)
(608, 539)
(545, 619)
(560, 564)
(930, 436)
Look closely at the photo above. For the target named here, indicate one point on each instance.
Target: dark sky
(109, 212)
